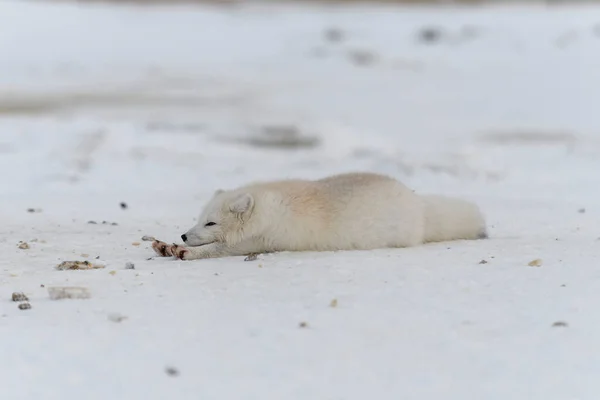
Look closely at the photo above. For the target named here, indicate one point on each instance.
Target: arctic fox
(352, 211)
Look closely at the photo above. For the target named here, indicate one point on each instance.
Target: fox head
(222, 219)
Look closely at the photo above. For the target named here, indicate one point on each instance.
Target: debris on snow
(535, 263)
(77, 265)
(19, 296)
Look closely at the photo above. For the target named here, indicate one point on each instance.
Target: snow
(160, 106)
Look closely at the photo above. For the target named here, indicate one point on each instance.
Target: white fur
(341, 212)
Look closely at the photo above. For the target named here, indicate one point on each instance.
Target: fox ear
(241, 203)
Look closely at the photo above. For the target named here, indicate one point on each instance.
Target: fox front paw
(162, 249)
(179, 252)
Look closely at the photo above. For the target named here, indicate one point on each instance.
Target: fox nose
(184, 237)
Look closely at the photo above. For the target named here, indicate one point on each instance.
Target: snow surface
(159, 106)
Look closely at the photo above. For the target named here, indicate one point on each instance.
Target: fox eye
(210, 224)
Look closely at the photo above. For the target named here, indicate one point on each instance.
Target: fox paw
(179, 252)
(162, 249)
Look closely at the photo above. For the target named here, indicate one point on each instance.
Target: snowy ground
(158, 107)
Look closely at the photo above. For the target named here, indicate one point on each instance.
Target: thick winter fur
(355, 211)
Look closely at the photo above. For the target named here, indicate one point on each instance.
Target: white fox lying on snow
(354, 211)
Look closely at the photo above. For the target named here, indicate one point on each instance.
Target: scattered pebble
(23, 245)
(251, 257)
(34, 210)
(135, 243)
(362, 58)
(171, 371)
(560, 324)
(113, 272)
(123, 205)
(535, 263)
(333, 35)
(42, 285)
(430, 35)
(24, 306)
(92, 222)
(19, 296)
(333, 303)
(303, 324)
(581, 210)
(147, 238)
(79, 265)
(129, 265)
(116, 318)
(68, 292)
(483, 262)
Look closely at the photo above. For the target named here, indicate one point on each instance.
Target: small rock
(333, 35)
(23, 246)
(333, 303)
(123, 205)
(116, 318)
(147, 238)
(483, 262)
(535, 263)
(362, 57)
(129, 265)
(581, 210)
(24, 306)
(114, 224)
(92, 222)
(19, 296)
(251, 257)
(560, 324)
(42, 285)
(429, 35)
(31, 210)
(171, 371)
(303, 324)
(135, 243)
